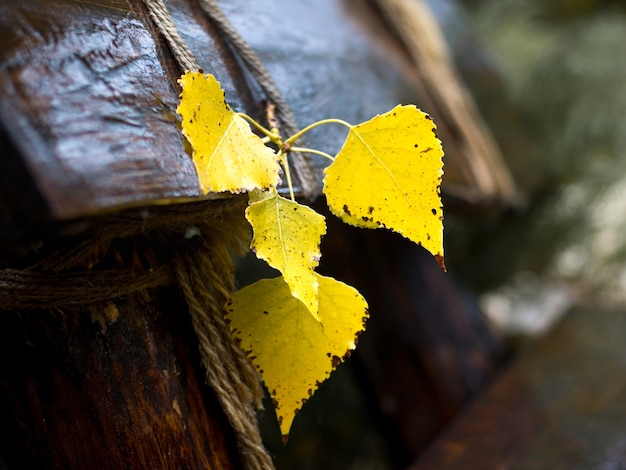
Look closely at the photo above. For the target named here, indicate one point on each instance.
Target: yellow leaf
(388, 174)
(287, 235)
(227, 154)
(292, 351)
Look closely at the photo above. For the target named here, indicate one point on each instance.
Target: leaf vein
(385, 167)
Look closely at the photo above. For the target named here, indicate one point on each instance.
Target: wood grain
(88, 107)
(110, 385)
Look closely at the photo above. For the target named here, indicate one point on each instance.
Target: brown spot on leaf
(346, 210)
(439, 259)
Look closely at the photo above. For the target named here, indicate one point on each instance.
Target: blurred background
(563, 68)
(549, 77)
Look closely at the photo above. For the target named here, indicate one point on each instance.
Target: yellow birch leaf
(388, 175)
(227, 154)
(287, 236)
(292, 351)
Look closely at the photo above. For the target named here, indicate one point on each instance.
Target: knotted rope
(194, 242)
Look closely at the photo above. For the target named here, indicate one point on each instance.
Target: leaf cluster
(298, 327)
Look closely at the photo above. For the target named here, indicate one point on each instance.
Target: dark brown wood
(110, 385)
(88, 126)
(85, 103)
(560, 405)
(112, 378)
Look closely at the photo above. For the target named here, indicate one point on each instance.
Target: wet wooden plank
(88, 107)
(561, 405)
(88, 94)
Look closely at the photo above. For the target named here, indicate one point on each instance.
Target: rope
(205, 295)
(31, 289)
(193, 244)
(224, 362)
(164, 22)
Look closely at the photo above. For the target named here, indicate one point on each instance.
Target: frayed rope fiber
(189, 245)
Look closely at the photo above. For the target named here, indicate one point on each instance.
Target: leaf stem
(300, 133)
(314, 151)
(285, 163)
(273, 137)
(285, 147)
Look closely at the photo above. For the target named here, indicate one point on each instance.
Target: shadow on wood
(122, 376)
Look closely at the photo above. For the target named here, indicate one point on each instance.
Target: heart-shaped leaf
(227, 154)
(388, 174)
(292, 351)
(287, 236)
